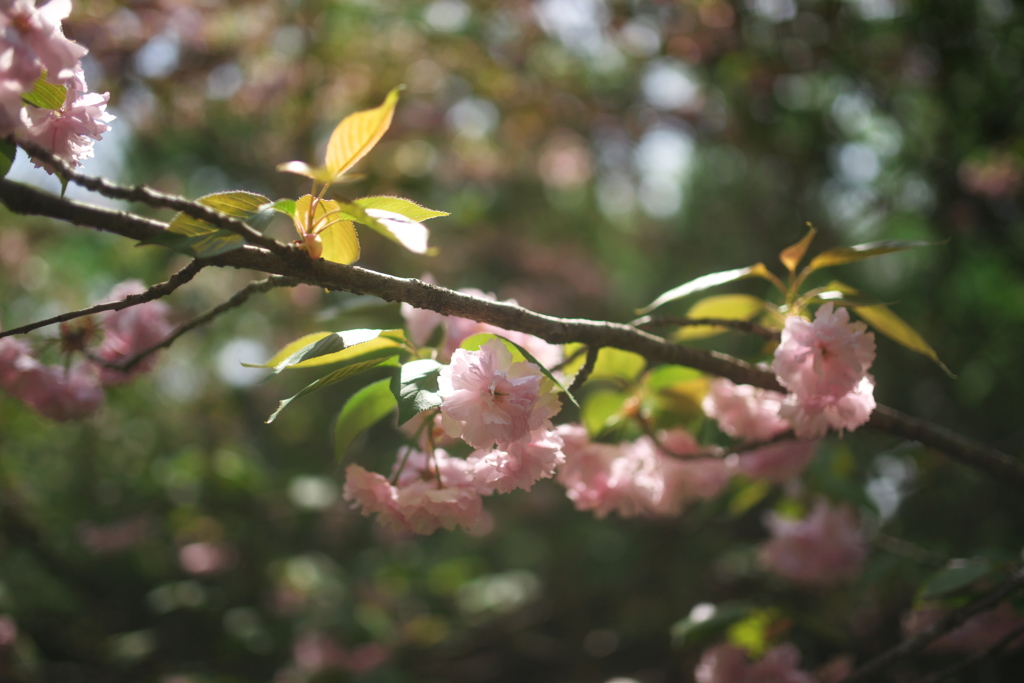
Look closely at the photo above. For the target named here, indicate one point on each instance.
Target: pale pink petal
(744, 412)
(777, 462)
(825, 547)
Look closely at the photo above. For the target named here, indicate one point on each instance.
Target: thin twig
(588, 367)
(948, 623)
(155, 292)
(151, 197)
(240, 297)
(652, 322)
(910, 551)
(967, 663)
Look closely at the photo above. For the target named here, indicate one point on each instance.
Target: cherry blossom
(812, 417)
(777, 462)
(423, 499)
(827, 357)
(521, 465)
(489, 399)
(638, 478)
(827, 546)
(744, 412)
(131, 330)
(71, 131)
(729, 664)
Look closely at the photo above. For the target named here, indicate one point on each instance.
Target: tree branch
(948, 623)
(155, 292)
(240, 297)
(649, 322)
(296, 264)
(151, 197)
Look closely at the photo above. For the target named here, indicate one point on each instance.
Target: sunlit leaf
(45, 95)
(396, 227)
(842, 255)
(792, 255)
(340, 240)
(326, 348)
(753, 632)
(285, 206)
(711, 280)
(199, 238)
(722, 306)
(882, 319)
(955, 578)
(335, 376)
(400, 205)
(414, 387)
(364, 409)
(750, 493)
(357, 134)
(676, 389)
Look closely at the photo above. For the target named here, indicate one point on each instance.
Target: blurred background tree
(592, 154)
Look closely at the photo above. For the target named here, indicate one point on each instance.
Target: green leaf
(519, 354)
(792, 255)
(338, 235)
(336, 347)
(750, 493)
(394, 226)
(723, 306)
(46, 95)
(201, 239)
(955, 578)
(334, 377)
(8, 152)
(753, 632)
(617, 364)
(400, 205)
(364, 409)
(601, 409)
(706, 622)
(357, 134)
(414, 386)
(841, 255)
(711, 280)
(285, 206)
(881, 318)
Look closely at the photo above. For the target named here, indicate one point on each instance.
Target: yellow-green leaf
(712, 280)
(209, 240)
(842, 255)
(722, 306)
(881, 318)
(341, 243)
(400, 205)
(792, 255)
(380, 344)
(357, 134)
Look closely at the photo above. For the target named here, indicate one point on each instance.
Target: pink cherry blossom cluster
(729, 664)
(71, 393)
(31, 42)
(975, 636)
(823, 363)
(500, 407)
(825, 547)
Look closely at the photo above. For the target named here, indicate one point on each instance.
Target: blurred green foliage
(592, 154)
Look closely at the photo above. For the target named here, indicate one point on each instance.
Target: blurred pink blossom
(827, 546)
(826, 357)
(811, 417)
(744, 412)
(36, 37)
(976, 635)
(729, 664)
(489, 399)
(116, 536)
(638, 478)
(15, 355)
(520, 465)
(55, 392)
(131, 330)
(777, 462)
(314, 652)
(206, 557)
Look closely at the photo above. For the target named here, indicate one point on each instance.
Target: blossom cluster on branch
(43, 94)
